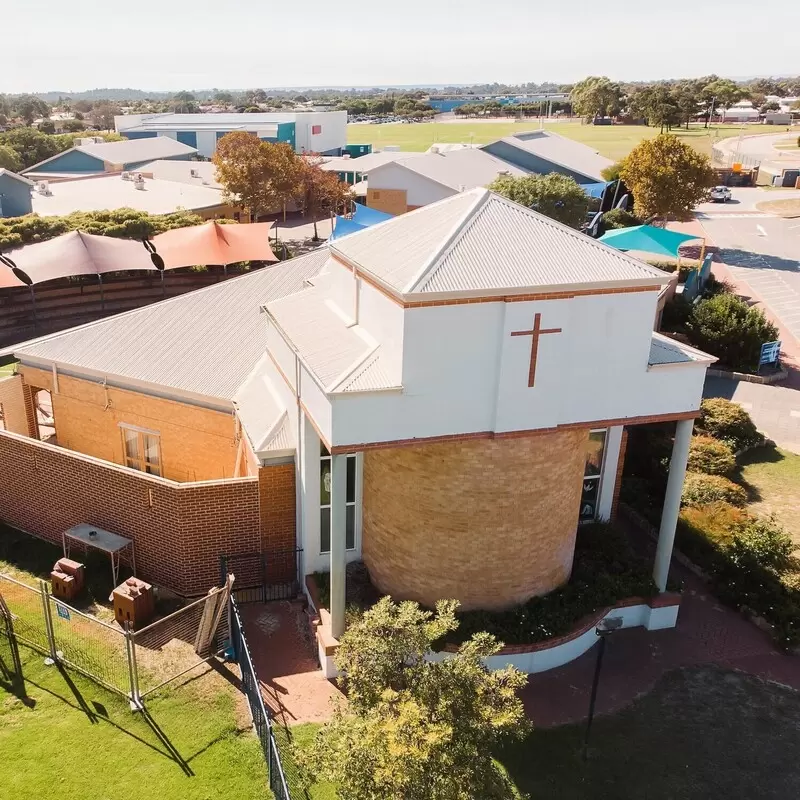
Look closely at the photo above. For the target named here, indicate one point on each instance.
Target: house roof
(98, 193)
(482, 243)
(562, 151)
(367, 162)
(194, 173)
(14, 176)
(664, 351)
(205, 342)
(259, 408)
(460, 169)
(128, 151)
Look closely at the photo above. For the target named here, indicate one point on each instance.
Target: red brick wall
(179, 530)
(623, 447)
(276, 488)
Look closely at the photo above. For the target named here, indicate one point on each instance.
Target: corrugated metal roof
(370, 376)
(561, 150)
(206, 342)
(506, 246)
(367, 162)
(281, 438)
(14, 176)
(131, 151)
(320, 334)
(258, 407)
(461, 169)
(397, 250)
(664, 350)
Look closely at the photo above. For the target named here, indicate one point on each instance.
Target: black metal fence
(258, 711)
(263, 577)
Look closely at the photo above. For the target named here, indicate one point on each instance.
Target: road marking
(761, 231)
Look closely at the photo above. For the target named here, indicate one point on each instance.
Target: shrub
(619, 218)
(710, 456)
(729, 423)
(725, 326)
(761, 542)
(676, 315)
(700, 489)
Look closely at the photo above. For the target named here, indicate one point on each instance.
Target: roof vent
(138, 180)
(434, 148)
(462, 187)
(126, 176)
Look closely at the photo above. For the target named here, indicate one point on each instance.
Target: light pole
(604, 629)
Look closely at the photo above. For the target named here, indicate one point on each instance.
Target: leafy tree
(687, 96)
(223, 98)
(771, 106)
(725, 92)
(619, 218)
(596, 97)
(47, 126)
(611, 173)
(9, 159)
(725, 326)
(667, 177)
(416, 729)
(253, 97)
(102, 115)
(122, 223)
(320, 192)
(29, 107)
(553, 195)
(260, 176)
(83, 106)
(32, 146)
(74, 125)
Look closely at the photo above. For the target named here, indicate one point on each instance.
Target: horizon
(314, 48)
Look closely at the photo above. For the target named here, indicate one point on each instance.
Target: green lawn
(72, 739)
(702, 733)
(612, 141)
(7, 369)
(772, 480)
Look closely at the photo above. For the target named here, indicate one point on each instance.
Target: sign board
(769, 353)
(63, 611)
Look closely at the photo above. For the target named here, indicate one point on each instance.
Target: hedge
(700, 489)
(710, 456)
(728, 422)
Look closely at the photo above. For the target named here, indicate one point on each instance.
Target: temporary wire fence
(262, 721)
(132, 663)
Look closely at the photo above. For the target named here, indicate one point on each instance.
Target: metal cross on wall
(536, 332)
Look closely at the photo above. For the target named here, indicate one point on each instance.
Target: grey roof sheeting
(205, 342)
(560, 150)
(664, 350)
(477, 241)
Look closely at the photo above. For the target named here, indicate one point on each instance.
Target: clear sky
(171, 45)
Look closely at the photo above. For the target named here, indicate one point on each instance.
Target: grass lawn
(7, 369)
(72, 739)
(702, 733)
(612, 141)
(772, 480)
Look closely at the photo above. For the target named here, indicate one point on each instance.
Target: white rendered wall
(206, 143)
(332, 137)
(420, 191)
(609, 476)
(464, 372)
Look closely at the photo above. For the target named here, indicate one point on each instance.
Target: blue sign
(63, 611)
(769, 353)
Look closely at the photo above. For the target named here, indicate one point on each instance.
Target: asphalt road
(761, 251)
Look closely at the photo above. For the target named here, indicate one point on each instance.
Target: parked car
(720, 194)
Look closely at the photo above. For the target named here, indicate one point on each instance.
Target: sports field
(612, 141)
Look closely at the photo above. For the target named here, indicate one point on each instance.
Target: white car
(720, 194)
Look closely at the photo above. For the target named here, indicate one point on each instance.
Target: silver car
(720, 194)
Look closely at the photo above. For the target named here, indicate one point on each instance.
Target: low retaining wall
(654, 614)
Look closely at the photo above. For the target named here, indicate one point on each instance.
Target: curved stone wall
(490, 522)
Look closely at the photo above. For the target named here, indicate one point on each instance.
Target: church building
(444, 396)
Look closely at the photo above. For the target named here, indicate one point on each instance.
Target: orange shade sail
(213, 243)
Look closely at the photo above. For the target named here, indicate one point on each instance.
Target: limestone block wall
(490, 522)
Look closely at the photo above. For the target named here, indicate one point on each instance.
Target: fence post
(48, 624)
(133, 670)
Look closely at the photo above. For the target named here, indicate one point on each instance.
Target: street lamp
(604, 629)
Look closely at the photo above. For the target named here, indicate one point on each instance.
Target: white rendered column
(338, 525)
(672, 502)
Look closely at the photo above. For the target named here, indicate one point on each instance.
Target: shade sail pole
(33, 305)
(102, 293)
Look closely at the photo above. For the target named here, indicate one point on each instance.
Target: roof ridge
(452, 237)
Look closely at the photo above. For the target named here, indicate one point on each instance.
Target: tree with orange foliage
(321, 192)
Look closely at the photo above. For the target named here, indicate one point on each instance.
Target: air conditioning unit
(138, 180)
(43, 187)
(126, 176)
(194, 173)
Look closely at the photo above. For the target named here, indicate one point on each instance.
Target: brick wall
(276, 489)
(623, 447)
(490, 522)
(197, 444)
(179, 530)
(12, 400)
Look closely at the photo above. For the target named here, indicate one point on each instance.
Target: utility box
(134, 602)
(67, 578)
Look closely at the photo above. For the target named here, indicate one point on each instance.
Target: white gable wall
(420, 191)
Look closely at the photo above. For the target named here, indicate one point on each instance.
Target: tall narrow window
(142, 449)
(325, 502)
(592, 475)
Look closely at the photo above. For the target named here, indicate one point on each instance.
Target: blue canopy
(363, 217)
(594, 189)
(647, 239)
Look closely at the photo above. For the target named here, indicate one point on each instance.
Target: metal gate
(262, 577)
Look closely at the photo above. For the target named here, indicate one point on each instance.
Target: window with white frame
(325, 502)
(592, 475)
(142, 449)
